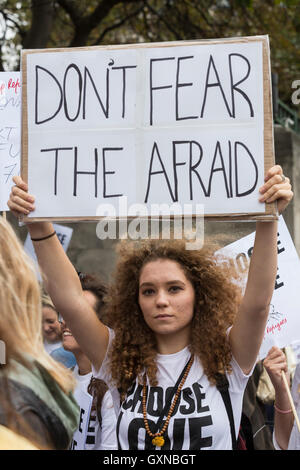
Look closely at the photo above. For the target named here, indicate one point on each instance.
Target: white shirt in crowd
(199, 420)
(52, 346)
(97, 438)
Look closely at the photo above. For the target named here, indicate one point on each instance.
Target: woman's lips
(161, 316)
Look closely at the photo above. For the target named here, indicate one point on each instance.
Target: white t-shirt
(200, 419)
(97, 438)
(52, 346)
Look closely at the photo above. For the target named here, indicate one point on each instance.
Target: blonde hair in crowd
(21, 306)
(46, 301)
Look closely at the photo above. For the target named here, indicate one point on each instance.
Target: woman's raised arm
(61, 279)
(248, 330)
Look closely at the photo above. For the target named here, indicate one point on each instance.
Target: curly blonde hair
(216, 302)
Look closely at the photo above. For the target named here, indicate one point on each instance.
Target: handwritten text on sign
(151, 124)
(10, 132)
(283, 326)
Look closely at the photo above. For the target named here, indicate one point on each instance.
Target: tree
(71, 23)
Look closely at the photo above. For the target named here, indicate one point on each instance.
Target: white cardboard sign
(283, 326)
(178, 124)
(10, 132)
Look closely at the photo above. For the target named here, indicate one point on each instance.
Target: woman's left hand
(277, 187)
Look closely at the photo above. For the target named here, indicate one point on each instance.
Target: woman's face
(166, 297)
(50, 324)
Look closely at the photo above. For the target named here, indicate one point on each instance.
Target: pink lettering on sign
(14, 84)
(276, 326)
(2, 88)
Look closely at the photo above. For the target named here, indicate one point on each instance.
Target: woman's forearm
(60, 278)
(283, 418)
(263, 267)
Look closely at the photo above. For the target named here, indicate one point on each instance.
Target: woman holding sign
(183, 342)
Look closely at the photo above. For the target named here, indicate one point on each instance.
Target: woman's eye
(148, 291)
(175, 288)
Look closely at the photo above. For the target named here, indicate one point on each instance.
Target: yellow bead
(158, 441)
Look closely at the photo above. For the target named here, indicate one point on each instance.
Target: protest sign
(64, 234)
(84, 401)
(10, 132)
(283, 326)
(181, 123)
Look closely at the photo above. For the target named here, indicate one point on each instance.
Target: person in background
(51, 326)
(36, 392)
(101, 434)
(286, 435)
(53, 336)
(254, 424)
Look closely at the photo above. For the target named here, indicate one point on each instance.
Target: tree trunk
(41, 24)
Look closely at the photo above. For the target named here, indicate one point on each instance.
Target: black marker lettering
(180, 85)
(56, 150)
(234, 86)
(76, 172)
(221, 168)
(163, 171)
(108, 149)
(72, 66)
(37, 121)
(278, 284)
(105, 108)
(193, 169)
(124, 67)
(230, 169)
(214, 84)
(152, 88)
(175, 164)
(249, 191)
(279, 250)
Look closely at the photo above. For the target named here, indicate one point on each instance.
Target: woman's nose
(162, 299)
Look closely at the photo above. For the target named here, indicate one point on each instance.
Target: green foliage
(93, 22)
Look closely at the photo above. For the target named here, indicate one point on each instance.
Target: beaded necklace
(157, 438)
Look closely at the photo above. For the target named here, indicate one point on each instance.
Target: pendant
(158, 441)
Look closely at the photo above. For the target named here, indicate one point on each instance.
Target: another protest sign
(64, 234)
(166, 123)
(10, 132)
(283, 326)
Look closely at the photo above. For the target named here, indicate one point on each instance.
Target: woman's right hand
(275, 362)
(20, 202)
